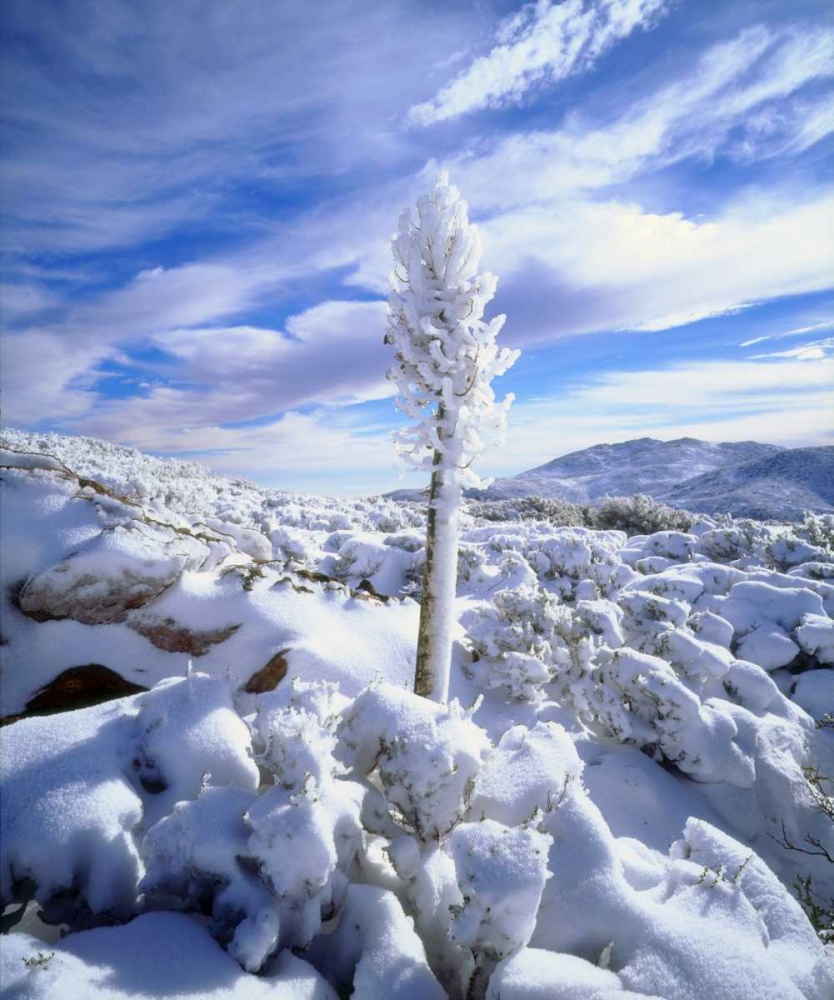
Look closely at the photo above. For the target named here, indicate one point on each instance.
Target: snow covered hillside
(741, 478)
(776, 486)
(644, 465)
(628, 797)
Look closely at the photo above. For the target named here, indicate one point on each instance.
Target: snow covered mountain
(742, 478)
(781, 485)
(644, 465)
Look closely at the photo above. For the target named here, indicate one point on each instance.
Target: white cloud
(606, 265)
(331, 352)
(23, 301)
(777, 401)
(44, 374)
(825, 325)
(816, 350)
(545, 41)
(132, 121)
(330, 355)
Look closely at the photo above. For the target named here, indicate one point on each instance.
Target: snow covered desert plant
(445, 359)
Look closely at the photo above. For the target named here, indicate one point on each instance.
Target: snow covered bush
(445, 359)
(516, 640)
(270, 867)
(426, 756)
(501, 872)
(637, 804)
(639, 515)
(558, 513)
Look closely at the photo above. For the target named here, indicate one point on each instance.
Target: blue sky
(197, 200)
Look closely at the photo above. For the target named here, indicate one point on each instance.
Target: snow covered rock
(123, 568)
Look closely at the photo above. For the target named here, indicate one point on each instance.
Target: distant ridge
(781, 485)
(644, 465)
(743, 478)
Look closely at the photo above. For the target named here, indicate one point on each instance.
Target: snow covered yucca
(445, 359)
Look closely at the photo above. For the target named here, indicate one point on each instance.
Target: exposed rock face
(78, 687)
(270, 676)
(167, 634)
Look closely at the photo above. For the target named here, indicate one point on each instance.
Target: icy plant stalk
(445, 359)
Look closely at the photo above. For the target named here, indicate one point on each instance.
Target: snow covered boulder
(123, 568)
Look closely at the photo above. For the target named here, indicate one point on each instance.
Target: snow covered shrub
(501, 872)
(387, 562)
(639, 515)
(584, 564)
(445, 359)
(374, 952)
(67, 813)
(270, 867)
(640, 699)
(818, 529)
(815, 636)
(293, 545)
(190, 733)
(473, 887)
(558, 513)
(426, 755)
(512, 639)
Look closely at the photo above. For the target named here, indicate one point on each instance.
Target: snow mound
(159, 954)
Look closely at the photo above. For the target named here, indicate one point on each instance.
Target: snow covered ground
(628, 797)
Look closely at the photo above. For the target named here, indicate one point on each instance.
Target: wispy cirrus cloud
(129, 122)
(543, 43)
(708, 109)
